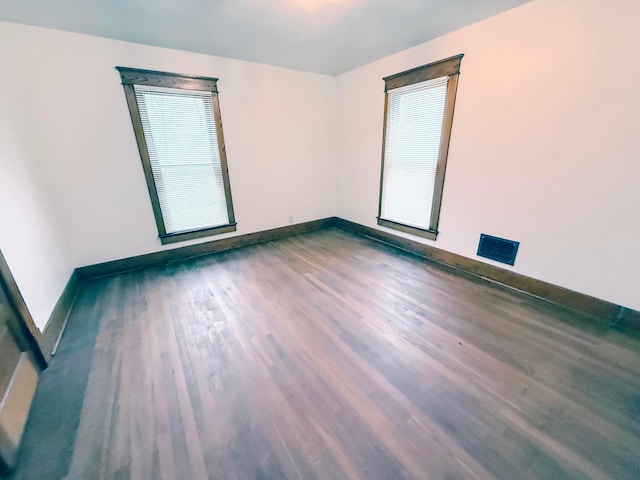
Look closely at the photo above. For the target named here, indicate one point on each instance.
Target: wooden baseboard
(615, 315)
(628, 319)
(182, 253)
(58, 317)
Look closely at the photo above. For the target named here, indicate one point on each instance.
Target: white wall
(30, 236)
(278, 126)
(545, 146)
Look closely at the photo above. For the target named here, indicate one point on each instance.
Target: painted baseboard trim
(162, 257)
(58, 318)
(613, 314)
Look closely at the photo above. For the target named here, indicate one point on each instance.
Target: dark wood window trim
(448, 67)
(134, 76)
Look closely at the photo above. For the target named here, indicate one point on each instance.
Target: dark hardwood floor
(329, 356)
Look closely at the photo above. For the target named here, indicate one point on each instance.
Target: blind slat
(182, 143)
(415, 116)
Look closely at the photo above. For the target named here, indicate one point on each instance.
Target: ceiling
(323, 36)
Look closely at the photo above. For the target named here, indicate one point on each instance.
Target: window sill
(193, 234)
(430, 234)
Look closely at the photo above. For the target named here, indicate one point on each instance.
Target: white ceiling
(323, 36)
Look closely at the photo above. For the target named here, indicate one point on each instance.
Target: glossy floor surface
(329, 356)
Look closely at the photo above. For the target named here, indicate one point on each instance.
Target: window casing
(418, 117)
(178, 128)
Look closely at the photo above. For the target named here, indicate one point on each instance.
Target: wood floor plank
(329, 356)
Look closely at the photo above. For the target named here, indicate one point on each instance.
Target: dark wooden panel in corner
(28, 327)
(165, 256)
(614, 314)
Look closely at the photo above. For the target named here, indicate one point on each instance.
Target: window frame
(135, 76)
(449, 67)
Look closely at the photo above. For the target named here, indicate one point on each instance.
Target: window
(418, 117)
(177, 124)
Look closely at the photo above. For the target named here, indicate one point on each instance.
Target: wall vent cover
(498, 249)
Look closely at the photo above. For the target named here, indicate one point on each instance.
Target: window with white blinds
(179, 138)
(415, 115)
(419, 111)
(183, 150)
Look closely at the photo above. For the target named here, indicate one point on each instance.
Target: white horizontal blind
(415, 116)
(182, 143)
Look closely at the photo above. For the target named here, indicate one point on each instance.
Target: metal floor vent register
(498, 249)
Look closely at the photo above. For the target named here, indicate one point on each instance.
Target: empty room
(319, 239)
